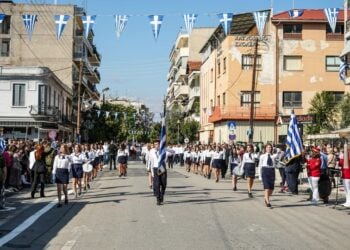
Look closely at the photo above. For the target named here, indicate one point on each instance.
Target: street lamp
(178, 131)
(103, 94)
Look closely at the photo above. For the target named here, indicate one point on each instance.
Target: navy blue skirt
(62, 176)
(268, 178)
(188, 161)
(77, 170)
(249, 170)
(207, 161)
(217, 163)
(232, 167)
(96, 162)
(122, 159)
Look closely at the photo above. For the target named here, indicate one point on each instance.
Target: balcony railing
(220, 113)
(181, 90)
(334, 37)
(194, 92)
(292, 36)
(51, 113)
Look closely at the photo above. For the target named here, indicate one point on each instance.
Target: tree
(190, 130)
(344, 110)
(324, 107)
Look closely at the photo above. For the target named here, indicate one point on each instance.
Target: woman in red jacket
(314, 173)
(345, 174)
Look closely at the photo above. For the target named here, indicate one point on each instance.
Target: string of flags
(156, 21)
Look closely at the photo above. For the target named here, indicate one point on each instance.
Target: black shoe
(32, 195)
(88, 186)
(250, 195)
(66, 201)
(84, 188)
(158, 202)
(162, 199)
(268, 204)
(59, 205)
(235, 189)
(42, 195)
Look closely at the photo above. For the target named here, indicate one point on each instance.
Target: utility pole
(79, 99)
(252, 94)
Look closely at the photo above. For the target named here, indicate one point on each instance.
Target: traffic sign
(232, 137)
(187, 140)
(231, 125)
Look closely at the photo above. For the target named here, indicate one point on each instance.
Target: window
(18, 94)
(54, 98)
(218, 99)
(42, 99)
(292, 99)
(248, 61)
(224, 99)
(5, 25)
(292, 63)
(219, 67)
(332, 63)
(5, 47)
(224, 65)
(337, 97)
(339, 29)
(246, 100)
(292, 31)
(211, 75)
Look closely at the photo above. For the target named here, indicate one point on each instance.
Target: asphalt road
(121, 213)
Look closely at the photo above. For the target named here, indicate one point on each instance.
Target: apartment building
(65, 59)
(183, 76)
(295, 59)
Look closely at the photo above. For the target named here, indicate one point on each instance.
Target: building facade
(65, 59)
(290, 70)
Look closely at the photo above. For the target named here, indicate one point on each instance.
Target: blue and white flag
(189, 19)
(295, 13)
(343, 68)
(2, 17)
(260, 18)
(225, 21)
(98, 113)
(120, 23)
(116, 115)
(29, 23)
(162, 146)
(294, 143)
(156, 22)
(2, 145)
(332, 16)
(107, 114)
(88, 22)
(61, 22)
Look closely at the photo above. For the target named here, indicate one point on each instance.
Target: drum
(87, 167)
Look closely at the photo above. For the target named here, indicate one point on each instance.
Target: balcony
(261, 113)
(92, 54)
(95, 57)
(183, 52)
(194, 92)
(181, 91)
(49, 113)
(180, 75)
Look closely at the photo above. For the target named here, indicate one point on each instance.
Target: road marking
(69, 245)
(162, 217)
(28, 222)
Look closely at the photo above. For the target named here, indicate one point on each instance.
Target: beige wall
(196, 41)
(57, 55)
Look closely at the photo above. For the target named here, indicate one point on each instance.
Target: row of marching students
(81, 162)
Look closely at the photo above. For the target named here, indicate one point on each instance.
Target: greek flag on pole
(343, 67)
(225, 21)
(61, 22)
(260, 18)
(2, 145)
(156, 22)
(294, 144)
(88, 22)
(190, 19)
(120, 23)
(162, 147)
(116, 115)
(98, 113)
(295, 13)
(332, 16)
(29, 23)
(2, 17)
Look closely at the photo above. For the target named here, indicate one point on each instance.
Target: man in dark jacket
(112, 148)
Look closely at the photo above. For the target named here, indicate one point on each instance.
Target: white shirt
(79, 158)
(218, 155)
(31, 159)
(263, 160)
(153, 158)
(122, 153)
(105, 148)
(62, 162)
(247, 159)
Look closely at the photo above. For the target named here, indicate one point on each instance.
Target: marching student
(248, 163)
(148, 165)
(314, 173)
(266, 164)
(207, 155)
(195, 160)
(60, 172)
(77, 160)
(234, 161)
(187, 158)
(217, 162)
(122, 158)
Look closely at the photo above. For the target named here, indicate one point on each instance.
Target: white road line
(27, 223)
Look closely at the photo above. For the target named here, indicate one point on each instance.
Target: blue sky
(136, 65)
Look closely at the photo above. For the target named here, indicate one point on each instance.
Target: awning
(323, 136)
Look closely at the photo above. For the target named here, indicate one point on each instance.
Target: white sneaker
(346, 204)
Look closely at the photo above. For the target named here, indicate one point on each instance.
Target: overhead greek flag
(120, 23)
(156, 22)
(260, 18)
(332, 16)
(294, 144)
(107, 114)
(61, 22)
(343, 67)
(190, 19)
(29, 23)
(225, 21)
(2, 17)
(98, 113)
(162, 146)
(295, 13)
(88, 22)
